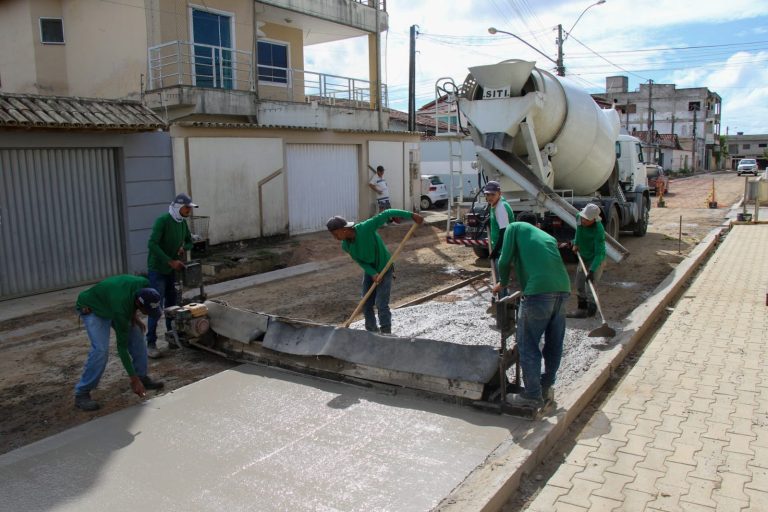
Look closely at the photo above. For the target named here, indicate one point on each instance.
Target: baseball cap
(150, 301)
(491, 186)
(337, 222)
(590, 212)
(185, 200)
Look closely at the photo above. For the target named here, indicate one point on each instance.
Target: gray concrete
(254, 438)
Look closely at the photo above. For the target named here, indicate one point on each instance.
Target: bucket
(744, 217)
(459, 229)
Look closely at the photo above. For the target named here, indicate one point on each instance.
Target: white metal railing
(201, 65)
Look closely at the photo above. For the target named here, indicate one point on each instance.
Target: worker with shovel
(546, 286)
(115, 303)
(168, 242)
(364, 244)
(589, 244)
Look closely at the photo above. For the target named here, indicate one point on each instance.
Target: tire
(481, 252)
(612, 225)
(641, 226)
(425, 204)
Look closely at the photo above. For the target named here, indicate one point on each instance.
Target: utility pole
(650, 123)
(412, 82)
(560, 67)
(695, 108)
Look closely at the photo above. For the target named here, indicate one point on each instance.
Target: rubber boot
(581, 312)
(591, 309)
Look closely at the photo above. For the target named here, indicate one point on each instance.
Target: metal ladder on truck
(449, 131)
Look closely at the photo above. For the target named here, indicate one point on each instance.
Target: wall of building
(226, 166)
(18, 73)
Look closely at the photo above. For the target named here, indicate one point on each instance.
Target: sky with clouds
(689, 43)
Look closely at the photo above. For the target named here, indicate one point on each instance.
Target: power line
(608, 61)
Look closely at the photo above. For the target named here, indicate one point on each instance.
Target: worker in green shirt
(500, 215)
(589, 242)
(364, 244)
(115, 303)
(168, 242)
(546, 286)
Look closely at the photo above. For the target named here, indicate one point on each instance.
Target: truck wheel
(481, 252)
(641, 226)
(612, 226)
(426, 204)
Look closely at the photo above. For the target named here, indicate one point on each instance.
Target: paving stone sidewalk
(687, 428)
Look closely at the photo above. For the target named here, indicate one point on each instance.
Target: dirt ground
(41, 356)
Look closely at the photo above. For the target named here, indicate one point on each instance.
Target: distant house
(748, 146)
(692, 114)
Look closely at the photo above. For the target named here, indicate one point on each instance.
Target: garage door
(322, 182)
(60, 222)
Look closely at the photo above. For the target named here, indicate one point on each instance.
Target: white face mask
(175, 211)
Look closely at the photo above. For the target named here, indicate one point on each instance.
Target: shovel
(494, 279)
(603, 331)
(383, 271)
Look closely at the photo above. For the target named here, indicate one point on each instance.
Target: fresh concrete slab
(255, 438)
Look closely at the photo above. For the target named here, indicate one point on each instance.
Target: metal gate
(322, 182)
(60, 221)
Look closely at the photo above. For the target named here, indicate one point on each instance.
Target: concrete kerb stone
(491, 485)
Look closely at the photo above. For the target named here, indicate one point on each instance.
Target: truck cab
(630, 162)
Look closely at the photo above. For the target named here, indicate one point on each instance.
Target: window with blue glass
(212, 35)
(273, 62)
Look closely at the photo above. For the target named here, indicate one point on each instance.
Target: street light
(561, 39)
(493, 30)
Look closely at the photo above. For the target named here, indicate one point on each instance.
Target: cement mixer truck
(553, 150)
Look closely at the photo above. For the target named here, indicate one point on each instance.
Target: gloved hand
(590, 276)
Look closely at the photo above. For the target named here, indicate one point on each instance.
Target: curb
(491, 485)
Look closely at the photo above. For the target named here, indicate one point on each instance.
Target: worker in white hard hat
(589, 243)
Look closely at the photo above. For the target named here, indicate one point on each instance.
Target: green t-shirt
(115, 299)
(534, 254)
(591, 243)
(368, 249)
(167, 237)
(494, 236)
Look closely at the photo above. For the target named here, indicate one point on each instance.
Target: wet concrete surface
(255, 438)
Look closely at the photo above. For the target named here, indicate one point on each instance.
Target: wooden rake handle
(384, 271)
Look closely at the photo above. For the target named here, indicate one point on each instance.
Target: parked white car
(747, 166)
(433, 191)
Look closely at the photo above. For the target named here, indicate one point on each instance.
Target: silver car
(747, 166)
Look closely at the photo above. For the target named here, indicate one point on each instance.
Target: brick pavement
(687, 427)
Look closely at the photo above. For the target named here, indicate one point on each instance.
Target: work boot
(386, 330)
(172, 341)
(84, 402)
(519, 400)
(548, 393)
(591, 309)
(151, 384)
(152, 351)
(581, 312)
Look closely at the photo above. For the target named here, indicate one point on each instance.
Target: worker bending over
(546, 286)
(364, 244)
(115, 303)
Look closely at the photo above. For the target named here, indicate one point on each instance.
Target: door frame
(233, 47)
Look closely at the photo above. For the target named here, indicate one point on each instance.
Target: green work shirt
(115, 299)
(591, 243)
(494, 236)
(167, 237)
(367, 248)
(534, 254)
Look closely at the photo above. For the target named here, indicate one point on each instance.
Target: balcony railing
(202, 65)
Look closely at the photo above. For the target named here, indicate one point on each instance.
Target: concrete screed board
(256, 438)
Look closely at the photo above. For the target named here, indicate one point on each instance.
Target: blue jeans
(380, 298)
(98, 332)
(540, 314)
(165, 286)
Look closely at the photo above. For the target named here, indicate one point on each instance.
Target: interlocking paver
(546, 499)
(687, 428)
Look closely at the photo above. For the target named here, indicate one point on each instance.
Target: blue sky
(640, 39)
